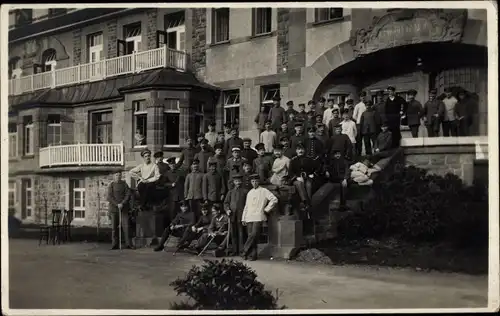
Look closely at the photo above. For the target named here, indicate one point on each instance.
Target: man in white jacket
(359, 109)
(259, 201)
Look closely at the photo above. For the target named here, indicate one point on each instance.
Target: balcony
(82, 155)
(162, 57)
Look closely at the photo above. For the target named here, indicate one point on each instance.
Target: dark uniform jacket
(118, 193)
(218, 224)
(289, 152)
(260, 120)
(176, 176)
(384, 141)
(309, 123)
(380, 108)
(213, 187)
(234, 166)
(430, 109)
(414, 113)
(163, 168)
(282, 133)
(338, 169)
(235, 201)
(263, 166)
(342, 143)
(323, 138)
(288, 111)
(301, 116)
(249, 154)
(187, 157)
(204, 221)
(370, 122)
(203, 157)
(277, 116)
(393, 109)
(300, 164)
(466, 108)
(295, 140)
(193, 186)
(291, 126)
(221, 163)
(331, 125)
(314, 148)
(186, 219)
(231, 143)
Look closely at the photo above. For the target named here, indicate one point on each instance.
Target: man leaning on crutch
(118, 198)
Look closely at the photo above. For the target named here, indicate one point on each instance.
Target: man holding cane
(118, 198)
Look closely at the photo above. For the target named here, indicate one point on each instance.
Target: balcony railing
(132, 63)
(82, 155)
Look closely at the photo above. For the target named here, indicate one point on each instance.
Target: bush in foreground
(223, 285)
(414, 206)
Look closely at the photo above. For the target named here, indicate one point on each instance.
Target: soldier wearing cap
(234, 203)
(338, 173)
(146, 174)
(221, 140)
(339, 142)
(414, 113)
(349, 107)
(268, 137)
(313, 146)
(359, 109)
(465, 110)
(227, 130)
(320, 107)
(284, 132)
(248, 152)
(162, 166)
(433, 114)
(298, 137)
(214, 186)
(234, 165)
(322, 134)
(118, 199)
(310, 121)
(395, 110)
(203, 155)
(290, 109)
(193, 188)
(302, 172)
(182, 221)
(247, 171)
(301, 114)
(217, 231)
(287, 150)
(379, 105)
(277, 114)
(211, 135)
(175, 178)
(263, 164)
(259, 202)
(195, 231)
(290, 124)
(232, 142)
(187, 154)
(199, 138)
(220, 159)
(261, 118)
(337, 119)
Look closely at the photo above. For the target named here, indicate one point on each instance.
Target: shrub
(414, 206)
(226, 284)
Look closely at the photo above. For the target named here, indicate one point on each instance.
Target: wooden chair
(67, 218)
(52, 231)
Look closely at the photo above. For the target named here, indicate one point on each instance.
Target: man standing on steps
(118, 198)
(359, 109)
(395, 110)
(175, 183)
(277, 114)
(259, 202)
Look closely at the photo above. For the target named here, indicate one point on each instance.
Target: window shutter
(120, 47)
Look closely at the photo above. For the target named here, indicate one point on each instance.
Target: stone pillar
(155, 123)
(199, 40)
(282, 39)
(77, 46)
(151, 28)
(112, 36)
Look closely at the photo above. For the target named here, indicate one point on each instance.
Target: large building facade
(91, 88)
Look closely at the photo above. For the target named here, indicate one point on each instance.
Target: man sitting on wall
(146, 174)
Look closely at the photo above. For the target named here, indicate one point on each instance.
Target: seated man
(302, 172)
(181, 222)
(196, 230)
(383, 144)
(147, 174)
(217, 232)
(338, 172)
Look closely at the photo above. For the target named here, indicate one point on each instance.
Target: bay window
(171, 118)
(54, 130)
(140, 123)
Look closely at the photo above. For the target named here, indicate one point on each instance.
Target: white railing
(82, 154)
(133, 63)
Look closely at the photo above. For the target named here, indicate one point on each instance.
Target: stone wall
(77, 46)
(49, 193)
(112, 36)
(96, 196)
(283, 39)
(151, 28)
(199, 40)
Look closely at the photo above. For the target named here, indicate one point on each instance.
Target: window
(102, 127)
(78, 197)
(172, 122)
(140, 123)
(23, 17)
(175, 35)
(220, 25)
(95, 51)
(373, 94)
(338, 98)
(232, 106)
(14, 68)
(261, 18)
(28, 198)
(198, 118)
(13, 140)
(49, 60)
(403, 94)
(56, 12)
(328, 14)
(133, 39)
(28, 136)
(12, 194)
(267, 95)
(54, 130)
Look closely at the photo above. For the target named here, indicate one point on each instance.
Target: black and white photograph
(286, 157)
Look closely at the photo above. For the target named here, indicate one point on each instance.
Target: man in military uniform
(234, 165)
(322, 134)
(433, 114)
(174, 182)
(248, 152)
(302, 172)
(182, 221)
(298, 137)
(218, 230)
(313, 146)
(287, 150)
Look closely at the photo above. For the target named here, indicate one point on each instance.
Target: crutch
(120, 226)
(208, 244)
(228, 236)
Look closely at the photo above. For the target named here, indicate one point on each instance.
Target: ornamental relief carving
(407, 27)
